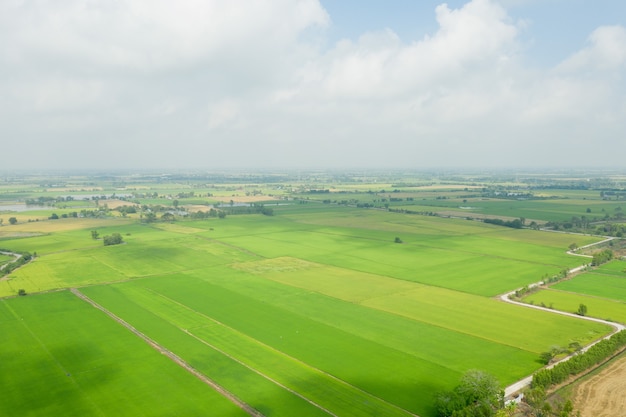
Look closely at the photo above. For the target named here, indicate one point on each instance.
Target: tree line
(12, 266)
(596, 354)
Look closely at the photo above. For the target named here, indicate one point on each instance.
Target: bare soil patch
(602, 394)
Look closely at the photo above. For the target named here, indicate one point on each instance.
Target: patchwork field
(313, 311)
(603, 291)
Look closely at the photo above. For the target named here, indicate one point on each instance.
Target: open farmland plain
(317, 309)
(602, 291)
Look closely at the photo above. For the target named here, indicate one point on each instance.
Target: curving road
(513, 388)
(16, 255)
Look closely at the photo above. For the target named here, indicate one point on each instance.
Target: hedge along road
(513, 388)
(16, 255)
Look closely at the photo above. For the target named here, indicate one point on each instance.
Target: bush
(114, 239)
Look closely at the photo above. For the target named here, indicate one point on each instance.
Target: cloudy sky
(312, 84)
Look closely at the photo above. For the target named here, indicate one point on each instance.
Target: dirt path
(178, 360)
(602, 395)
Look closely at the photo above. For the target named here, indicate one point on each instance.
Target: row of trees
(12, 266)
(515, 224)
(596, 354)
(12, 220)
(602, 257)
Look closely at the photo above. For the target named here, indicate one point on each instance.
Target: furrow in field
(178, 360)
(330, 394)
(126, 301)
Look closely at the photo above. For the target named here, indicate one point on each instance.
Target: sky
(312, 84)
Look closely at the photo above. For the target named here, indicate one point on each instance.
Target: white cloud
(251, 79)
(606, 51)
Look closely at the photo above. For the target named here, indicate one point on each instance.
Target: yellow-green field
(313, 311)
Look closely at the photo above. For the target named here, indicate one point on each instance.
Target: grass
(603, 308)
(602, 290)
(78, 362)
(265, 305)
(254, 389)
(323, 389)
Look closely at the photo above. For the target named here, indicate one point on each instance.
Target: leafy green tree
(114, 239)
(167, 217)
(149, 217)
(95, 235)
(12, 220)
(397, 240)
(582, 310)
(478, 395)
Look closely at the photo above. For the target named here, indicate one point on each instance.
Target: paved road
(513, 388)
(16, 255)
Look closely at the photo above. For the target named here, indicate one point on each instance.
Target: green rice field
(602, 290)
(314, 311)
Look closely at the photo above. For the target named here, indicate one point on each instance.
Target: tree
(21, 292)
(397, 240)
(167, 217)
(54, 216)
(573, 246)
(12, 220)
(478, 394)
(114, 239)
(95, 235)
(149, 217)
(582, 310)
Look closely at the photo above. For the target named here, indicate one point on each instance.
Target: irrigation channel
(517, 386)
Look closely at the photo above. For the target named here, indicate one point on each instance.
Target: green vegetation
(581, 362)
(478, 395)
(114, 239)
(77, 359)
(280, 288)
(602, 257)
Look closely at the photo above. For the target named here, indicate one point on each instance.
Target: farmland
(603, 291)
(314, 308)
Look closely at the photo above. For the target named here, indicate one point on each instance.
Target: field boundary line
(341, 381)
(175, 358)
